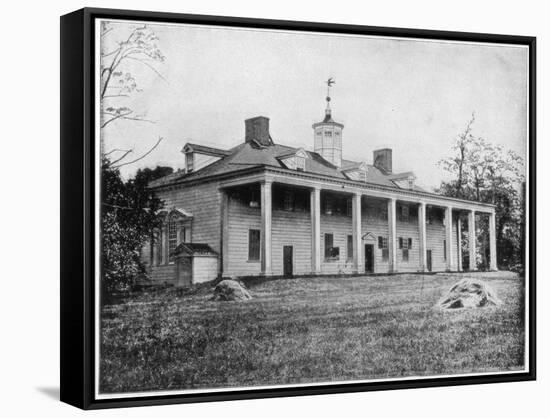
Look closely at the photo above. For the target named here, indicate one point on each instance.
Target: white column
(315, 209)
(392, 229)
(459, 242)
(422, 235)
(224, 235)
(265, 235)
(357, 241)
(472, 239)
(449, 237)
(492, 242)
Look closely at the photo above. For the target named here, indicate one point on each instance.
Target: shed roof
(188, 248)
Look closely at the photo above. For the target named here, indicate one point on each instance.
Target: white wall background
(29, 175)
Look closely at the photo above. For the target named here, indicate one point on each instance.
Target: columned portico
(391, 235)
(392, 232)
(449, 238)
(472, 239)
(315, 208)
(422, 235)
(357, 241)
(265, 234)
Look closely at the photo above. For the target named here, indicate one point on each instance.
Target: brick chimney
(258, 129)
(382, 159)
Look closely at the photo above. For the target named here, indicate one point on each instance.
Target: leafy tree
(485, 172)
(128, 216)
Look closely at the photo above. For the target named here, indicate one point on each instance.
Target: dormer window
(410, 181)
(300, 163)
(295, 160)
(189, 162)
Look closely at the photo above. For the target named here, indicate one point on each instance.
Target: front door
(429, 260)
(287, 260)
(369, 258)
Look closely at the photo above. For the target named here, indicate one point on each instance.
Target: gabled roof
(249, 155)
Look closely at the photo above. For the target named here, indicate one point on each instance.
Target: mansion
(265, 209)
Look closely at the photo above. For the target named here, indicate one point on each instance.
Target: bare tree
(118, 84)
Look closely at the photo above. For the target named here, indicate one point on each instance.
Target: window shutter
(410, 243)
(380, 245)
(400, 242)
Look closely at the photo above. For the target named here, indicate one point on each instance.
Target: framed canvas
(236, 223)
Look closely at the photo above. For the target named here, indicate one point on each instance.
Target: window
(189, 161)
(331, 253)
(350, 248)
(157, 247)
(328, 133)
(349, 208)
(383, 245)
(300, 164)
(328, 206)
(405, 244)
(288, 200)
(363, 175)
(254, 198)
(404, 214)
(445, 250)
(382, 212)
(173, 226)
(253, 245)
(411, 182)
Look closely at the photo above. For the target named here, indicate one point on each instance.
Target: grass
(307, 330)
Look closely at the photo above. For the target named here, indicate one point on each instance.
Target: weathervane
(329, 82)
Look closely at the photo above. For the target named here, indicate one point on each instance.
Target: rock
(229, 289)
(469, 293)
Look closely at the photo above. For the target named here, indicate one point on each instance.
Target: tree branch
(150, 66)
(139, 158)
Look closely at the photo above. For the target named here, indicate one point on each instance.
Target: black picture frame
(77, 207)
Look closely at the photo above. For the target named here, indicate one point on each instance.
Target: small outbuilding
(195, 263)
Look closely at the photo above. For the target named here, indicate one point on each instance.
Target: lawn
(307, 330)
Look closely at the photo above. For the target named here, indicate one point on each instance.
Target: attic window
(363, 175)
(300, 163)
(189, 161)
(411, 182)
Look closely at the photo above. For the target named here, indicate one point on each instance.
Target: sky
(413, 96)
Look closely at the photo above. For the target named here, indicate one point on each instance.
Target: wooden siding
(435, 235)
(407, 230)
(203, 201)
(242, 218)
(163, 274)
(291, 228)
(376, 226)
(205, 268)
(340, 227)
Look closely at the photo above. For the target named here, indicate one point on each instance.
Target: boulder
(229, 289)
(469, 293)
